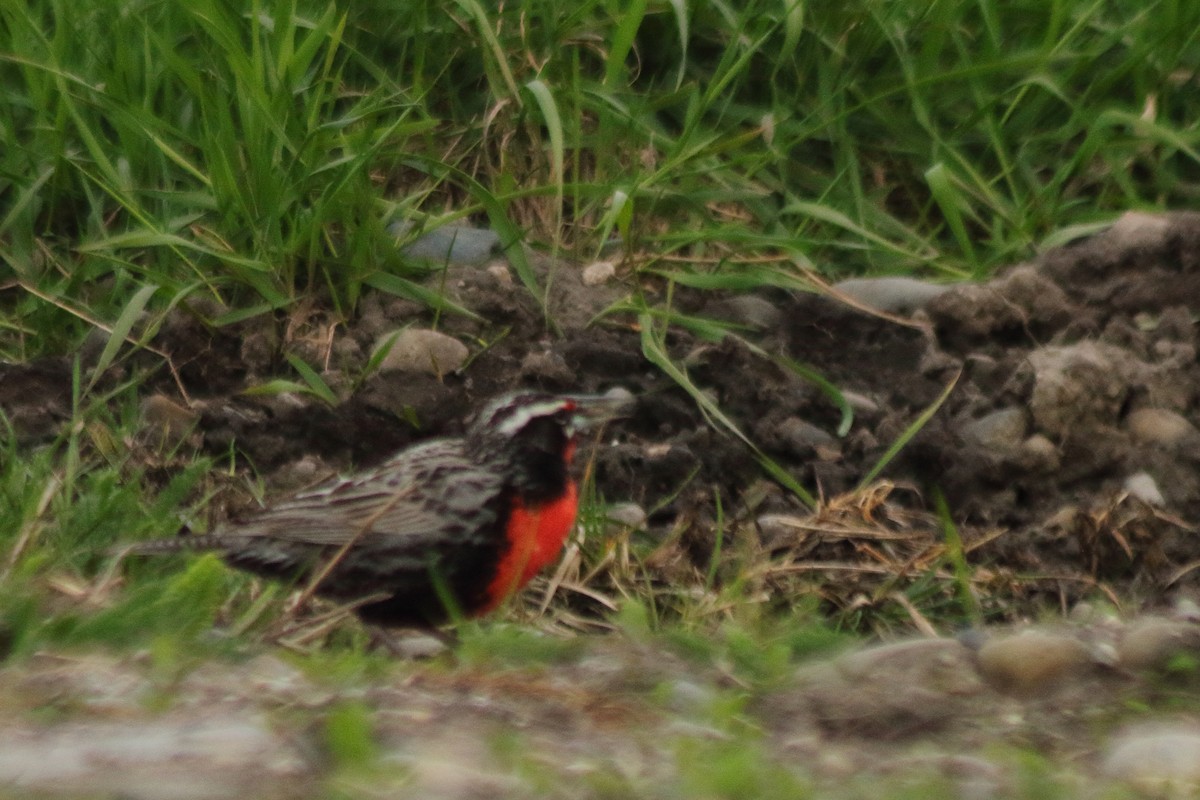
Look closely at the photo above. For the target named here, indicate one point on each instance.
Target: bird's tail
(183, 543)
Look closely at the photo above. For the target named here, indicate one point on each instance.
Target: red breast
(536, 535)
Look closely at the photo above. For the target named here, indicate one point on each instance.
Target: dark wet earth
(1067, 451)
(1065, 457)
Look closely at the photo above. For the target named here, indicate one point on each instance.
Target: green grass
(256, 152)
(157, 153)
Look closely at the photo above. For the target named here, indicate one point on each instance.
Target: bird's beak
(592, 410)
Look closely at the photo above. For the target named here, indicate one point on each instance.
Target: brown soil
(1071, 347)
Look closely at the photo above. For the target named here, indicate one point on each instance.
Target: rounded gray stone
(1162, 759)
(1004, 429)
(1160, 426)
(1151, 643)
(893, 295)
(450, 244)
(421, 350)
(1033, 662)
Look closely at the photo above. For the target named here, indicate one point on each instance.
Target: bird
(447, 529)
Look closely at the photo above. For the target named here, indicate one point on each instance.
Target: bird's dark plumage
(459, 522)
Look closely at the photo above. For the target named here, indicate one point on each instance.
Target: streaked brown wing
(406, 497)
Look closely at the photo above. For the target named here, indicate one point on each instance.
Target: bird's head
(533, 435)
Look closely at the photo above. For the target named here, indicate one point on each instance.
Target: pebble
(860, 402)
(502, 274)
(801, 436)
(1144, 488)
(1138, 230)
(1160, 426)
(598, 273)
(750, 310)
(1151, 643)
(631, 515)
(1040, 455)
(1003, 430)
(421, 350)
(894, 295)
(1159, 758)
(546, 366)
(1032, 662)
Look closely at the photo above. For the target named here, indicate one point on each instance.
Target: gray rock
(1161, 426)
(750, 310)
(1039, 455)
(630, 515)
(421, 350)
(600, 272)
(1137, 230)
(860, 402)
(1003, 430)
(894, 689)
(547, 366)
(455, 243)
(1151, 643)
(800, 436)
(1162, 759)
(891, 295)
(1033, 662)
(1144, 488)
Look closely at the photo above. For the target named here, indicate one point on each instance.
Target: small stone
(1032, 662)
(1138, 230)
(421, 350)
(418, 647)
(801, 436)
(895, 295)
(619, 393)
(1162, 759)
(547, 366)
(893, 689)
(1003, 430)
(162, 416)
(1186, 608)
(1039, 455)
(1152, 643)
(860, 402)
(631, 515)
(1160, 426)
(1144, 488)
(600, 272)
(502, 274)
(750, 310)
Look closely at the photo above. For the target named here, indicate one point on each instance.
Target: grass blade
(120, 331)
(906, 436)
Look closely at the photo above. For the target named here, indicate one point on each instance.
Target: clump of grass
(256, 154)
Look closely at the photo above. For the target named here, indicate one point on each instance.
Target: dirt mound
(1066, 450)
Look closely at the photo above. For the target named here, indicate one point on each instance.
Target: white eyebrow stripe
(518, 418)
